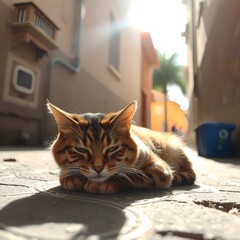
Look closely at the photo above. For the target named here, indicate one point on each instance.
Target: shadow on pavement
(56, 212)
(87, 217)
(234, 161)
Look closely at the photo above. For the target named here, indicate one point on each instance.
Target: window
(199, 13)
(202, 41)
(21, 82)
(114, 45)
(24, 80)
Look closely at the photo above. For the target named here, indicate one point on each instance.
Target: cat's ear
(123, 119)
(65, 121)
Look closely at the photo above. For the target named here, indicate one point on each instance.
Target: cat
(106, 153)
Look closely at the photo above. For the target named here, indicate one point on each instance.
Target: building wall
(19, 114)
(176, 116)
(217, 95)
(95, 42)
(146, 79)
(94, 47)
(95, 88)
(148, 62)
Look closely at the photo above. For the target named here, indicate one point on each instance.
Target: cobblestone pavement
(34, 206)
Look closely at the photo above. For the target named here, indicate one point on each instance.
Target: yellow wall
(175, 116)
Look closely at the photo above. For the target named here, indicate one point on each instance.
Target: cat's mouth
(98, 179)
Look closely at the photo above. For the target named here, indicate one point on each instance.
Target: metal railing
(29, 13)
(22, 15)
(43, 25)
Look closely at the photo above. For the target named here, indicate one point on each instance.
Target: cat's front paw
(160, 176)
(106, 187)
(73, 182)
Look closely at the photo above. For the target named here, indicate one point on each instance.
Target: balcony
(31, 25)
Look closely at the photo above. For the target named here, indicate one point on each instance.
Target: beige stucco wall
(95, 49)
(18, 113)
(94, 52)
(218, 92)
(95, 88)
(146, 80)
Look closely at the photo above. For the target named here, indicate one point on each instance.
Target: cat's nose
(98, 169)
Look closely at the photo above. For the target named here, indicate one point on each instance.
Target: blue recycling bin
(214, 139)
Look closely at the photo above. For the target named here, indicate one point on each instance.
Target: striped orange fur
(105, 153)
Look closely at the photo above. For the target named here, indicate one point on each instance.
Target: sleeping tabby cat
(105, 153)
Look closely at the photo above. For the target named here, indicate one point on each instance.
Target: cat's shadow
(98, 214)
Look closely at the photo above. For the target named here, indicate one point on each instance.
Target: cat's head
(97, 146)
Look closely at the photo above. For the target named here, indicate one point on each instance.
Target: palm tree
(169, 73)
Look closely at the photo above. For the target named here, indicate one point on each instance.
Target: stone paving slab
(34, 206)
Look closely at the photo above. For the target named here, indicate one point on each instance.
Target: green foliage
(169, 73)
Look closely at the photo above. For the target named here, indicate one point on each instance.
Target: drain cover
(56, 214)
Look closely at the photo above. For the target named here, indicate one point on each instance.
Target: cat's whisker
(125, 177)
(118, 178)
(69, 171)
(133, 171)
(65, 175)
(142, 176)
(129, 169)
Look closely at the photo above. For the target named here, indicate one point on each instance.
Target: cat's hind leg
(159, 172)
(184, 175)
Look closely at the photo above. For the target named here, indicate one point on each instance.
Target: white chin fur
(98, 179)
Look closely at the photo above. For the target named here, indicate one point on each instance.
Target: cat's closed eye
(81, 150)
(112, 149)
